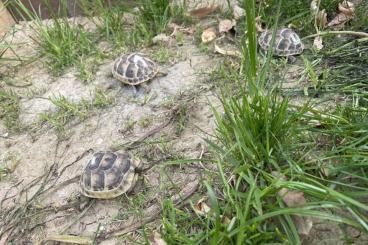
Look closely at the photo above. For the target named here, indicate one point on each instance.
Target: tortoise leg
(135, 91)
(291, 59)
(162, 72)
(131, 188)
(145, 88)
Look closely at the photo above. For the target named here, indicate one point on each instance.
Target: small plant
(153, 18)
(61, 42)
(67, 111)
(10, 110)
(144, 122)
(179, 14)
(111, 24)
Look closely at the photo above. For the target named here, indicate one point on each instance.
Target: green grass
(10, 110)
(322, 155)
(62, 43)
(68, 111)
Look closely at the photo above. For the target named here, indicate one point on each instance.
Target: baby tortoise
(109, 174)
(135, 69)
(287, 43)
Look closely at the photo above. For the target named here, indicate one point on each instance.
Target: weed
(9, 163)
(61, 42)
(180, 38)
(144, 122)
(128, 125)
(111, 24)
(182, 118)
(67, 111)
(179, 14)
(10, 110)
(164, 55)
(32, 92)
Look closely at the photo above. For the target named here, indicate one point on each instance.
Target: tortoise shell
(287, 42)
(134, 68)
(108, 175)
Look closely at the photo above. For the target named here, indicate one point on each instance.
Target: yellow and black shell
(287, 42)
(109, 174)
(134, 68)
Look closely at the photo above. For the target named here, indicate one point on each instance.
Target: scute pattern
(108, 175)
(134, 69)
(287, 42)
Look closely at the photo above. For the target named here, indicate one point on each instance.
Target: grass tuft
(61, 42)
(68, 111)
(10, 110)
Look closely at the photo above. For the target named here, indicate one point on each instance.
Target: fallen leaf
(317, 43)
(238, 12)
(321, 18)
(347, 11)
(293, 198)
(314, 6)
(70, 239)
(227, 49)
(303, 224)
(201, 207)
(258, 22)
(347, 8)
(208, 35)
(226, 25)
(156, 239)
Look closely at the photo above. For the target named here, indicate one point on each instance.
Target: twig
(149, 214)
(364, 39)
(78, 217)
(355, 33)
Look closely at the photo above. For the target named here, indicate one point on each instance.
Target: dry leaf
(70, 239)
(258, 22)
(314, 6)
(156, 239)
(294, 198)
(238, 12)
(227, 50)
(201, 207)
(208, 35)
(226, 25)
(321, 18)
(317, 43)
(346, 9)
(303, 224)
(203, 12)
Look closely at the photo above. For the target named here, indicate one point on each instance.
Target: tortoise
(287, 43)
(135, 69)
(109, 174)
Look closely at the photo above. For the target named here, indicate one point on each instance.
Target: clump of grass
(179, 14)
(260, 132)
(10, 110)
(110, 23)
(153, 18)
(61, 42)
(68, 111)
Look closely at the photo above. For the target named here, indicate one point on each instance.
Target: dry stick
(78, 217)
(364, 39)
(356, 33)
(149, 214)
